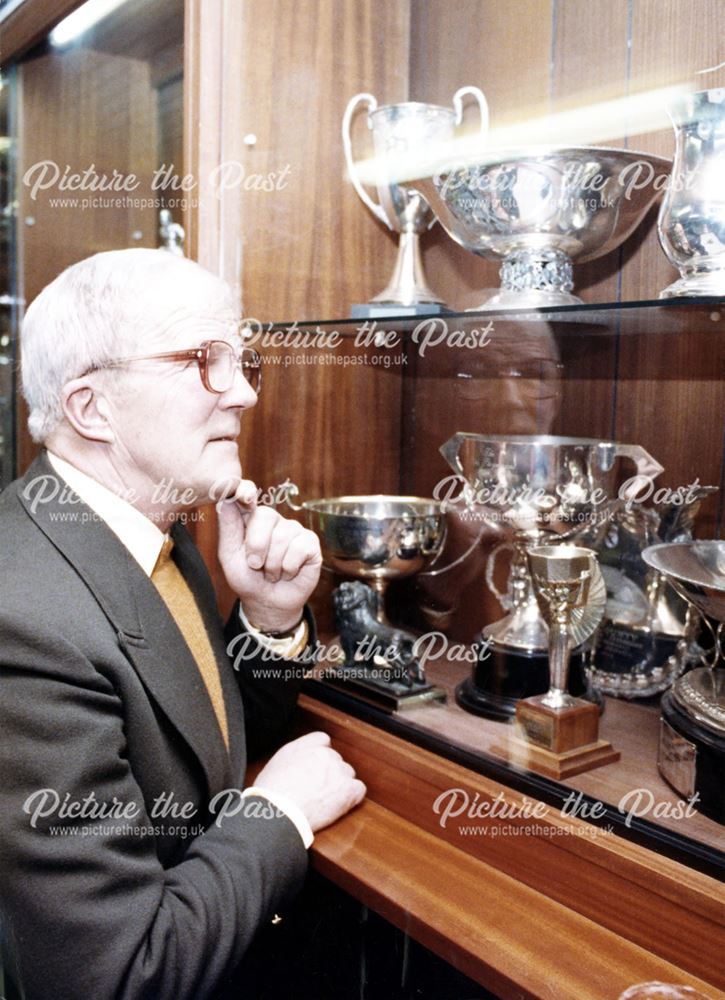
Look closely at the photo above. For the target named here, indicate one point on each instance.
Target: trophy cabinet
(247, 99)
(622, 368)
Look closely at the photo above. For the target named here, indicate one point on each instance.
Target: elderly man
(132, 864)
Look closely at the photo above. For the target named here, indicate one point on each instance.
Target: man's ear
(87, 411)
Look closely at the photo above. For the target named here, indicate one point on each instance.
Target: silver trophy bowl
(540, 211)
(692, 218)
(696, 570)
(377, 538)
(692, 728)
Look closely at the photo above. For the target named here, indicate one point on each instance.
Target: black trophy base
(379, 310)
(386, 695)
(692, 759)
(504, 675)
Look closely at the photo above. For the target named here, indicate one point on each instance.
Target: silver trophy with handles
(371, 541)
(396, 129)
(545, 490)
(691, 754)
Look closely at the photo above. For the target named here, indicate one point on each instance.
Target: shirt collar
(140, 535)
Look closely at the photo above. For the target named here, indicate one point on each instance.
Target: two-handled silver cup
(401, 128)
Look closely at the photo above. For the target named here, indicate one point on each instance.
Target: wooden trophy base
(559, 743)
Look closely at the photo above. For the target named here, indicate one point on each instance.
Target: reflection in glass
(9, 300)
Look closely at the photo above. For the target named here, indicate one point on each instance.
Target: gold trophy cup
(558, 734)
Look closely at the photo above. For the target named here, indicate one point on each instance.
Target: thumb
(232, 513)
(231, 522)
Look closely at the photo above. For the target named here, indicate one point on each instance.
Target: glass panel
(600, 373)
(9, 303)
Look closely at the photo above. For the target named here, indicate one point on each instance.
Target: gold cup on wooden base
(557, 734)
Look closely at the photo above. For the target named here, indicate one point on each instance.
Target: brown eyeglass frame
(201, 356)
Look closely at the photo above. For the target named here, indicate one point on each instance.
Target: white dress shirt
(144, 541)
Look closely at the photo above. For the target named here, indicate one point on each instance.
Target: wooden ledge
(589, 889)
(508, 937)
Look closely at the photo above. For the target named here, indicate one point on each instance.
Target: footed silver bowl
(377, 538)
(696, 569)
(540, 211)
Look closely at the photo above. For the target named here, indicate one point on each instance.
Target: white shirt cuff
(293, 812)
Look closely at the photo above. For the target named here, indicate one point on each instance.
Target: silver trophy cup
(544, 490)
(373, 540)
(377, 538)
(399, 128)
(692, 218)
(692, 728)
(648, 636)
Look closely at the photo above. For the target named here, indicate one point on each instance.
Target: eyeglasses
(217, 361)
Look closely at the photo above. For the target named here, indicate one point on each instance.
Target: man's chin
(227, 478)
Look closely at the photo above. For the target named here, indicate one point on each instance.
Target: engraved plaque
(538, 728)
(677, 760)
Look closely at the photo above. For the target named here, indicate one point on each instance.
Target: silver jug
(692, 218)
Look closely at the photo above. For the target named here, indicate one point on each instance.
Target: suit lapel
(146, 631)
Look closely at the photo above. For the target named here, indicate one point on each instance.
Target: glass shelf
(660, 316)
(474, 742)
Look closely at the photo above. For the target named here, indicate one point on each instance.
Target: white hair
(105, 307)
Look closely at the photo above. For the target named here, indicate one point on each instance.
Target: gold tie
(177, 597)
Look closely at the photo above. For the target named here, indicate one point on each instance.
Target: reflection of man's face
(524, 387)
(169, 428)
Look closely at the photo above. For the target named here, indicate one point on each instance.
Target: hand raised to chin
(271, 563)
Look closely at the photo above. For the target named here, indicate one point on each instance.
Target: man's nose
(240, 393)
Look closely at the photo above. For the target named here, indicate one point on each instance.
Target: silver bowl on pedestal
(539, 211)
(375, 539)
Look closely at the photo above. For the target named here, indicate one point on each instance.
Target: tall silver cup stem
(572, 596)
(408, 282)
(380, 585)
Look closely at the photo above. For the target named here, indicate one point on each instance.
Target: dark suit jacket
(99, 696)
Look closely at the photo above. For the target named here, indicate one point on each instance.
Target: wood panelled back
(310, 247)
(307, 246)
